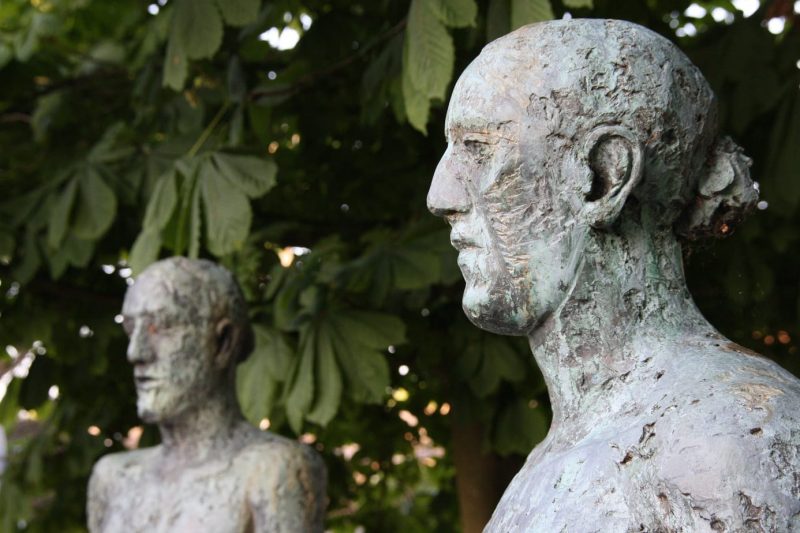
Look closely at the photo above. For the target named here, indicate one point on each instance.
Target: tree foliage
(131, 131)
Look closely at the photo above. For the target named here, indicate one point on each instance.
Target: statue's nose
(139, 348)
(447, 194)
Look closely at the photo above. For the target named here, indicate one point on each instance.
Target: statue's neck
(202, 429)
(628, 301)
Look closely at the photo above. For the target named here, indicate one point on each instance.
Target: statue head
(188, 328)
(565, 131)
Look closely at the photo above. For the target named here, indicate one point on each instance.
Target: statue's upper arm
(288, 493)
(98, 493)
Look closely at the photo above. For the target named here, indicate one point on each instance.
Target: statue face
(493, 185)
(171, 348)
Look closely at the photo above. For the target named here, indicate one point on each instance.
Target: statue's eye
(477, 148)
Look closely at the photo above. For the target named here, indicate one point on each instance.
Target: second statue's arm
(286, 492)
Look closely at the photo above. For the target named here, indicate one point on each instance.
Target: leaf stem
(207, 132)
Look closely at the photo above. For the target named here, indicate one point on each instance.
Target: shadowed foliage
(131, 131)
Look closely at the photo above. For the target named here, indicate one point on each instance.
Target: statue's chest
(189, 501)
(581, 491)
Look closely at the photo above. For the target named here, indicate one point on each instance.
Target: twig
(16, 117)
(207, 132)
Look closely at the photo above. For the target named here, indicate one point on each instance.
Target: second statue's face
(171, 348)
(494, 186)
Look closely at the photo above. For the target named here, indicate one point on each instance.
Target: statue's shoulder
(268, 450)
(113, 465)
(282, 470)
(748, 390)
(730, 435)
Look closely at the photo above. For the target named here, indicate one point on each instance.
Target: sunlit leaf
(162, 202)
(227, 211)
(429, 55)
(455, 13)
(527, 11)
(145, 250)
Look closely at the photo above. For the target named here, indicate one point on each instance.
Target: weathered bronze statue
(188, 328)
(579, 154)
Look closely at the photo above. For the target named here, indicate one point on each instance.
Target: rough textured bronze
(188, 327)
(579, 152)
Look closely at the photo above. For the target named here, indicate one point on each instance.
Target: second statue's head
(188, 328)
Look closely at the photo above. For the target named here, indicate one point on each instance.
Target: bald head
(199, 290)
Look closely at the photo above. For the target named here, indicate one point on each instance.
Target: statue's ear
(614, 156)
(225, 343)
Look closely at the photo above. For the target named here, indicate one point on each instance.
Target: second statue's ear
(614, 156)
(225, 332)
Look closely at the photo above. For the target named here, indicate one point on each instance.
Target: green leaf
(44, 115)
(498, 19)
(227, 211)
(359, 339)
(59, 215)
(520, 426)
(367, 371)
(428, 51)
(144, 250)
(111, 147)
(176, 65)
(369, 329)
(272, 344)
(416, 104)
(6, 54)
(57, 260)
(301, 394)
(31, 259)
(329, 380)
(7, 245)
(528, 11)
(455, 13)
(239, 12)
(97, 206)
(78, 251)
(577, 4)
(162, 202)
(510, 366)
(197, 27)
(177, 233)
(257, 378)
(252, 175)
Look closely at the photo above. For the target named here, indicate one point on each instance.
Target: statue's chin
(147, 413)
(488, 310)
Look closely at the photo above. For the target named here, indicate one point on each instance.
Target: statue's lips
(145, 382)
(461, 242)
